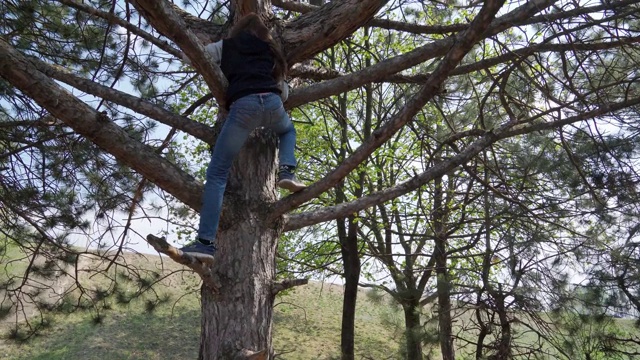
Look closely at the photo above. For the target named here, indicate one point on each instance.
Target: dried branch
(287, 284)
(201, 267)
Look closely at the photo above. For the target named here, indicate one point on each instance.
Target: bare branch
(287, 284)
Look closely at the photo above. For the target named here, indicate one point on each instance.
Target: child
(255, 68)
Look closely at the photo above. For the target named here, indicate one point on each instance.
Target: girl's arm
(213, 49)
(284, 90)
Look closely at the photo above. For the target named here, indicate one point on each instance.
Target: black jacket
(247, 63)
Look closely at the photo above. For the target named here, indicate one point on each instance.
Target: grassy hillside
(307, 324)
(307, 321)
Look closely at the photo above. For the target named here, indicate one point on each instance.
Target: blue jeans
(245, 114)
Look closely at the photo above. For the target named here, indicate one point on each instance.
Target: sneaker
(292, 185)
(198, 248)
(287, 180)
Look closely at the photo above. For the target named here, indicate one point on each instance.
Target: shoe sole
(291, 185)
(205, 258)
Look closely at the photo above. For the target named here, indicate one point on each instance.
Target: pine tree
(523, 82)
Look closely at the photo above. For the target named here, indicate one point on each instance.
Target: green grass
(306, 324)
(12, 261)
(121, 335)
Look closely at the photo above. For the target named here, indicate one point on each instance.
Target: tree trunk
(237, 322)
(348, 236)
(444, 305)
(442, 280)
(351, 263)
(504, 345)
(413, 330)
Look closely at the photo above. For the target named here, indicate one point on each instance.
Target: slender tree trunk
(351, 263)
(504, 346)
(413, 330)
(444, 304)
(237, 322)
(442, 280)
(348, 235)
(484, 329)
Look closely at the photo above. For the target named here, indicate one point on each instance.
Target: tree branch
(318, 30)
(194, 128)
(96, 127)
(165, 19)
(206, 31)
(318, 74)
(508, 130)
(462, 43)
(113, 19)
(287, 284)
(379, 23)
(201, 268)
(379, 71)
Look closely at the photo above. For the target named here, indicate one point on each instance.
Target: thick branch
(165, 19)
(96, 127)
(522, 15)
(302, 8)
(318, 74)
(205, 31)
(379, 71)
(462, 44)
(318, 30)
(508, 130)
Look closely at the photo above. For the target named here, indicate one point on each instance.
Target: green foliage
(585, 332)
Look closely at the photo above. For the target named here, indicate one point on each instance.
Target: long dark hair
(252, 24)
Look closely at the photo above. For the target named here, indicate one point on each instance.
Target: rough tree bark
(237, 321)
